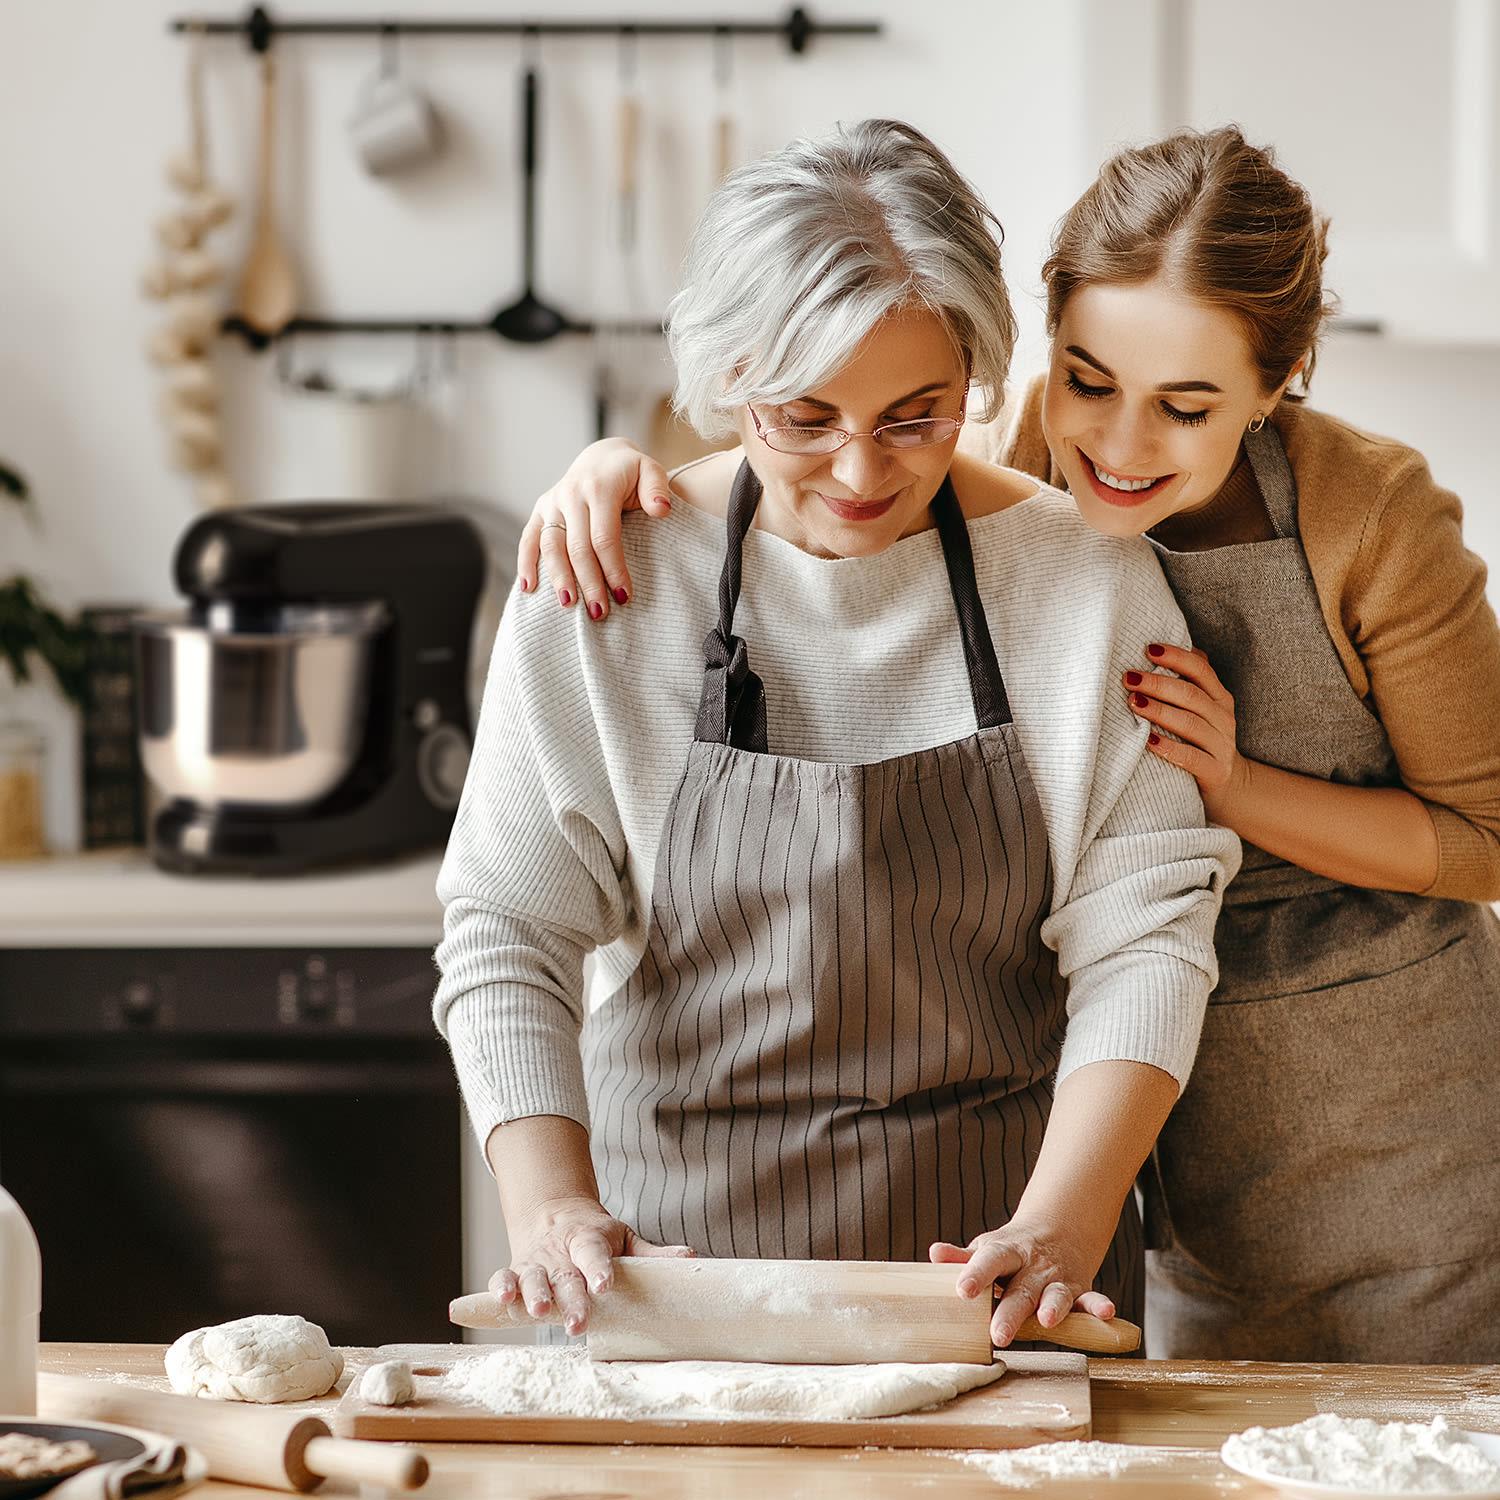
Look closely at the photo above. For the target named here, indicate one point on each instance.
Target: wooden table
(1187, 1408)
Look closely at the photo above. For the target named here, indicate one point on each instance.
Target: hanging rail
(260, 28)
(445, 326)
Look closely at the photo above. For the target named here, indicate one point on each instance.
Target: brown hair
(1222, 222)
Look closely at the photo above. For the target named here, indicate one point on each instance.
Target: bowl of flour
(1327, 1457)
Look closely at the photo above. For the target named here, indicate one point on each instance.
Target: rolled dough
(565, 1382)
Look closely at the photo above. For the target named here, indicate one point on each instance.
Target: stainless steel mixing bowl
(261, 708)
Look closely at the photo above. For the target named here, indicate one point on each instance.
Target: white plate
(1309, 1489)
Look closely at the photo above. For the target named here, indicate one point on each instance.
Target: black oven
(197, 1135)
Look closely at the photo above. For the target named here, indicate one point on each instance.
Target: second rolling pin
(287, 1450)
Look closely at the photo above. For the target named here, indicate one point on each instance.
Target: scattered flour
(1376, 1458)
(1026, 1468)
(565, 1382)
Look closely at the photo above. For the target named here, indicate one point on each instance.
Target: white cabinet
(1388, 111)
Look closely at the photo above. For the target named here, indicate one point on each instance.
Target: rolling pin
(286, 1450)
(823, 1312)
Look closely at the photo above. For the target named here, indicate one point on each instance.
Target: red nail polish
(1153, 739)
(1133, 679)
(1156, 650)
(566, 597)
(525, 585)
(596, 611)
(1139, 699)
(621, 597)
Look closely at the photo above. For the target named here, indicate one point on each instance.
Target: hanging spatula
(795, 1312)
(268, 286)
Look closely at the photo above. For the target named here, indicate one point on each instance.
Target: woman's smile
(856, 509)
(1124, 490)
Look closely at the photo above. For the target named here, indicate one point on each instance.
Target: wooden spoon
(268, 289)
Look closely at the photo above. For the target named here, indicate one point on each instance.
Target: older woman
(903, 940)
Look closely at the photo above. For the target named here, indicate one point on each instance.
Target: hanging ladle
(529, 320)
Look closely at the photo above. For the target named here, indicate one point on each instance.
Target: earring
(1256, 422)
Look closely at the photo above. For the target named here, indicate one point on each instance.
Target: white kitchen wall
(96, 88)
(92, 103)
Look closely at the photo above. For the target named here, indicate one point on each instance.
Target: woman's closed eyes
(1095, 392)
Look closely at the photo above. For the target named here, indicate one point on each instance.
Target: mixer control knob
(442, 764)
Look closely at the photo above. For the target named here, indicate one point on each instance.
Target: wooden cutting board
(1042, 1398)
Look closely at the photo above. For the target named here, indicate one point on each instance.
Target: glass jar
(22, 750)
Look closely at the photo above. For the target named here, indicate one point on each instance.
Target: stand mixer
(310, 707)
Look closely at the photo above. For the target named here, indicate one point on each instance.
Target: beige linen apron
(842, 1037)
(1328, 1188)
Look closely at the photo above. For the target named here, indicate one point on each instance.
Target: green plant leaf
(29, 626)
(13, 484)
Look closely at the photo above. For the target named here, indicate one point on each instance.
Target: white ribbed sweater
(585, 727)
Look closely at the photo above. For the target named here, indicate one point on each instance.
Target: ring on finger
(549, 525)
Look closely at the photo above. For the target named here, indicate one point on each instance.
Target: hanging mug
(394, 125)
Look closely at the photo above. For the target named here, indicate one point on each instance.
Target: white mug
(394, 125)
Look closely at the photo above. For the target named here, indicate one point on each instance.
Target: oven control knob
(442, 764)
(139, 1003)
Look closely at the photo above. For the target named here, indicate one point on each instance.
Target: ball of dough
(388, 1384)
(269, 1357)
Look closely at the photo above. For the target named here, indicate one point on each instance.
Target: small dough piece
(23, 1455)
(388, 1384)
(267, 1358)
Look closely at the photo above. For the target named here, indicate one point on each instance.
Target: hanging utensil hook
(723, 58)
(390, 47)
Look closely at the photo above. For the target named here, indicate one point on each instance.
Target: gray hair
(799, 255)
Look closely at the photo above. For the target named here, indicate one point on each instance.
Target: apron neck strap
(732, 705)
(1273, 474)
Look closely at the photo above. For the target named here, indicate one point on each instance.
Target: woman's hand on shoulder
(562, 1255)
(1191, 714)
(1037, 1269)
(575, 527)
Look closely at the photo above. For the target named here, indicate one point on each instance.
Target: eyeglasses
(810, 440)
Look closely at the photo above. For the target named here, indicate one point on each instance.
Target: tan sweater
(1402, 596)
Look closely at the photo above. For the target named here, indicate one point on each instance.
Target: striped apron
(1328, 1187)
(841, 1038)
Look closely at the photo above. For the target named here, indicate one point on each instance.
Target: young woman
(1328, 1188)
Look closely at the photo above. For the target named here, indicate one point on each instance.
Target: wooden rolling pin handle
(1084, 1332)
(374, 1463)
(486, 1310)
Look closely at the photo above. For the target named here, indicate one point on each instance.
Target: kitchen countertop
(115, 899)
(1189, 1407)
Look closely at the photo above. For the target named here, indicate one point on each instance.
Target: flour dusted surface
(1027, 1468)
(565, 1382)
(1378, 1458)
